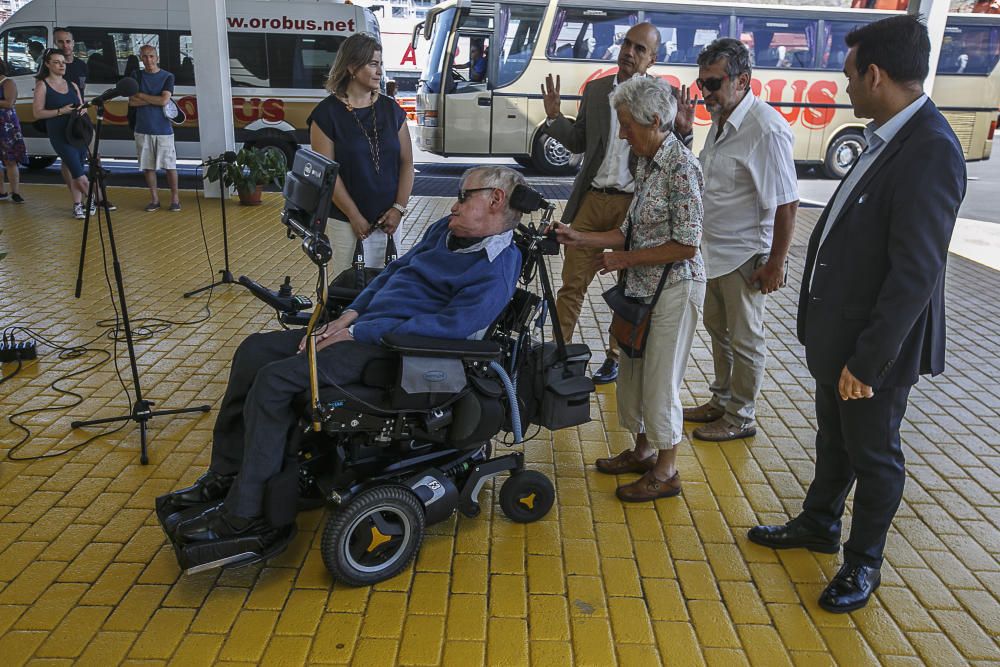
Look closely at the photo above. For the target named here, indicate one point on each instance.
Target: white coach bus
(279, 56)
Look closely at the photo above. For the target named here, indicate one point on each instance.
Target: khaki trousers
(598, 212)
(649, 389)
(343, 240)
(734, 318)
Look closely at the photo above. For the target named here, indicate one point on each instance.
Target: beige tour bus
(797, 52)
(279, 56)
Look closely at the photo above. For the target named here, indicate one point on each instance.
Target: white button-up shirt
(876, 137)
(614, 172)
(749, 172)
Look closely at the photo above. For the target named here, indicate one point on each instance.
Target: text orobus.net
(290, 24)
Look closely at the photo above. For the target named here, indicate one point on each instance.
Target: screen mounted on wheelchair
(308, 192)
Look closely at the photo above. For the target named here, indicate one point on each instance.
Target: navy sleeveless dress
(71, 156)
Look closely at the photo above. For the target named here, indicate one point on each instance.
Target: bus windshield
(438, 50)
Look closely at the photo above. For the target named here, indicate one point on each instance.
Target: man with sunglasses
(750, 198)
(603, 189)
(452, 284)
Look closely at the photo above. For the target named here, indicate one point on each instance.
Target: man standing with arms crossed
(871, 306)
(603, 189)
(154, 135)
(751, 196)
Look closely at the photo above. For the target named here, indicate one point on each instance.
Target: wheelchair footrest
(236, 552)
(468, 503)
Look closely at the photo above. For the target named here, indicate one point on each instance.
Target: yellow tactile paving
(86, 577)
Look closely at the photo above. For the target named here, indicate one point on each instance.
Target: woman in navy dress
(55, 100)
(366, 133)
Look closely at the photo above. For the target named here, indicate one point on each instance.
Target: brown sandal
(649, 487)
(625, 462)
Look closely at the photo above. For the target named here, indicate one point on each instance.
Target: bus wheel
(551, 158)
(40, 161)
(272, 141)
(842, 153)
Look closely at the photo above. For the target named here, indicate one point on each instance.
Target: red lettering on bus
(821, 92)
(410, 56)
(775, 88)
(246, 111)
(272, 110)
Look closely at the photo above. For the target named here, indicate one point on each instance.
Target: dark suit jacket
(877, 299)
(588, 134)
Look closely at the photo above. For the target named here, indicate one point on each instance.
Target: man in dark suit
(603, 189)
(871, 307)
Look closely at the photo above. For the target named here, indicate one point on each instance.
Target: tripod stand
(142, 410)
(227, 275)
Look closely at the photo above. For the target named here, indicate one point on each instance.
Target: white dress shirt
(614, 172)
(749, 172)
(876, 137)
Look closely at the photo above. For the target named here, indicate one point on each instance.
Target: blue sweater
(433, 291)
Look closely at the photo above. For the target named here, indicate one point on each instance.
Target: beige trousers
(598, 212)
(343, 240)
(649, 389)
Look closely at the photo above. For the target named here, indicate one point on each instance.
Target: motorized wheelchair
(412, 443)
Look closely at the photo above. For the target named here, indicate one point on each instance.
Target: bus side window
(969, 49)
(683, 36)
(779, 42)
(22, 49)
(248, 60)
(834, 47)
(301, 61)
(182, 59)
(589, 34)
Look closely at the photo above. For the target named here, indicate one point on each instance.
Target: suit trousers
(598, 212)
(734, 318)
(257, 414)
(858, 441)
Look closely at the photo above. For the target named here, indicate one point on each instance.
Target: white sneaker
(93, 209)
(78, 212)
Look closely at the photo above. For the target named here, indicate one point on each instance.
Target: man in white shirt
(751, 196)
(603, 189)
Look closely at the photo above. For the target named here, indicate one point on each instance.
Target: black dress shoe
(608, 372)
(793, 536)
(210, 487)
(850, 588)
(216, 523)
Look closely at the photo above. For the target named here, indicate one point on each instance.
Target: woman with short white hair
(659, 239)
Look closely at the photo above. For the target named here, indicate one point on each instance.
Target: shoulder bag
(631, 315)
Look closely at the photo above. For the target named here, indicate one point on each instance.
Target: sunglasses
(713, 84)
(464, 194)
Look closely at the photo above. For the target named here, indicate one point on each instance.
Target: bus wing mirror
(415, 37)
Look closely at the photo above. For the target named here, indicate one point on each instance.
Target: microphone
(282, 304)
(228, 157)
(126, 87)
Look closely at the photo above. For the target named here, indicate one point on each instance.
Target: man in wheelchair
(452, 285)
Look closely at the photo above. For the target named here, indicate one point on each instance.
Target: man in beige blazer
(603, 189)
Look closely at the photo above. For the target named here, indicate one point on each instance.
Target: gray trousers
(734, 318)
(257, 415)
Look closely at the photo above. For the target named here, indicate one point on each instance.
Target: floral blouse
(666, 207)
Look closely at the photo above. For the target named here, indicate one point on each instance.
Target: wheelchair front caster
(526, 496)
(374, 536)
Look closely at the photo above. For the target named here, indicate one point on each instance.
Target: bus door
(517, 34)
(468, 106)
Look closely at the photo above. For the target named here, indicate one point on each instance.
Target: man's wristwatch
(402, 209)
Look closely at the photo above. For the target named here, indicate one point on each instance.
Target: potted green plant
(250, 172)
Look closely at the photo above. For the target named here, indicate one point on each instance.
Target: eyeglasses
(464, 194)
(713, 84)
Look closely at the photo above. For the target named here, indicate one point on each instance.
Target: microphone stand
(227, 275)
(142, 410)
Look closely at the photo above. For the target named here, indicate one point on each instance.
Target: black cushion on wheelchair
(440, 347)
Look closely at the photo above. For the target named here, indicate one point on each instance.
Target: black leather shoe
(217, 524)
(793, 536)
(608, 372)
(850, 588)
(208, 488)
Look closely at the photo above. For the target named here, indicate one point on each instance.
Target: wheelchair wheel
(374, 536)
(526, 496)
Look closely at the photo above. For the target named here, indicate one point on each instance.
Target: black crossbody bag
(630, 315)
